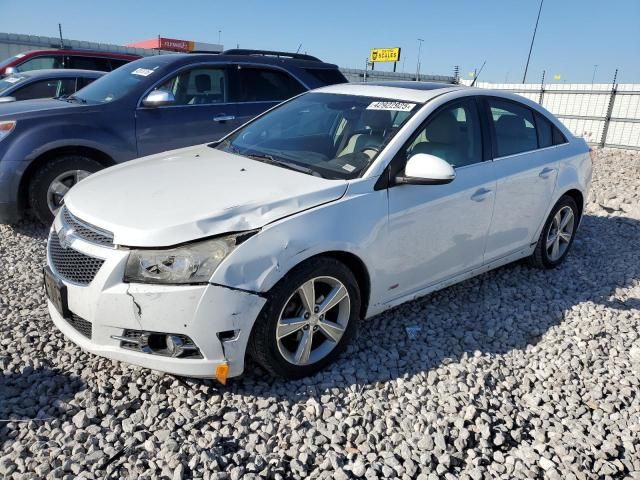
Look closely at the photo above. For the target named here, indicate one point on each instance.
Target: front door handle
(223, 118)
(546, 172)
(480, 194)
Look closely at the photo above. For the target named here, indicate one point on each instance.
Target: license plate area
(56, 292)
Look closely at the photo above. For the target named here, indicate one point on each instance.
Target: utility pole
(219, 36)
(524, 77)
(60, 31)
(420, 40)
(593, 77)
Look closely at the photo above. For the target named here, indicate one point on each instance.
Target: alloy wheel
(313, 320)
(560, 233)
(61, 185)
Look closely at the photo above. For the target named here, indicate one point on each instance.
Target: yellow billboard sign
(384, 55)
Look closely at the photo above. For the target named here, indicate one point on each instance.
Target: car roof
(79, 51)
(401, 90)
(61, 73)
(189, 58)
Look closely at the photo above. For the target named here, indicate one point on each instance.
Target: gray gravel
(516, 374)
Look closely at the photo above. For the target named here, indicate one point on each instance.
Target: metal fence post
(607, 119)
(541, 89)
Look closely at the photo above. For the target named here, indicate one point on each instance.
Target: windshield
(10, 81)
(329, 135)
(120, 82)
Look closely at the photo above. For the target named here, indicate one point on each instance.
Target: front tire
(557, 235)
(309, 319)
(52, 181)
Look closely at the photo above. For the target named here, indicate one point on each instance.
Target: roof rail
(271, 53)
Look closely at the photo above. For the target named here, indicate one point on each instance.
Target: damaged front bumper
(216, 318)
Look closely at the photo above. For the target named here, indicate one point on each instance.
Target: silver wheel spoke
(551, 240)
(556, 248)
(332, 330)
(307, 294)
(81, 175)
(565, 221)
(334, 297)
(287, 326)
(304, 347)
(58, 188)
(565, 237)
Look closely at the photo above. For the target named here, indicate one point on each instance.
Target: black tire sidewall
(263, 343)
(564, 201)
(41, 180)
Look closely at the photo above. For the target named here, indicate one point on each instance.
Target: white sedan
(330, 208)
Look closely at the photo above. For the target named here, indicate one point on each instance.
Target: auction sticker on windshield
(393, 106)
(145, 72)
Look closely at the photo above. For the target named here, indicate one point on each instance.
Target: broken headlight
(193, 263)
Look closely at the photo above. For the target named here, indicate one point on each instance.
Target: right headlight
(6, 128)
(193, 263)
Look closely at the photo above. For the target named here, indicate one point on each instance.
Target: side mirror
(7, 99)
(159, 98)
(425, 169)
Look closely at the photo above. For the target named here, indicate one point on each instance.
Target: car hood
(25, 107)
(192, 193)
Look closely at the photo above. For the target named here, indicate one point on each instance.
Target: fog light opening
(175, 345)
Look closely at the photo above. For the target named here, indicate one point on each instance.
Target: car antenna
(478, 74)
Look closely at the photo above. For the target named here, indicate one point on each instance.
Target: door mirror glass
(426, 169)
(159, 98)
(7, 99)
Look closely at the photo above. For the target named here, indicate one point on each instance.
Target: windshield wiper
(73, 98)
(263, 157)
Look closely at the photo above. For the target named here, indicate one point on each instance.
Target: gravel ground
(515, 374)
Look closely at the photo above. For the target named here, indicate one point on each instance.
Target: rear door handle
(224, 118)
(480, 194)
(546, 172)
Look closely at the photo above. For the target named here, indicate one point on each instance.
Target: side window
(200, 86)
(41, 89)
(558, 136)
(263, 85)
(88, 63)
(84, 81)
(115, 63)
(545, 131)
(514, 127)
(66, 86)
(39, 63)
(452, 133)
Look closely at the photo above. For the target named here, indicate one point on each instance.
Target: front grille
(85, 230)
(80, 324)
(70, 264)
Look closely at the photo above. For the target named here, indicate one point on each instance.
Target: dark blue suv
(147, 106)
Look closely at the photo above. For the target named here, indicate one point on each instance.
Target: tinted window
(41, 89)
(452, 134)
(84, 81)
(328, 76)
(117, 63)
(88, 63)
(545, 131)
(260, 85)
(39, 63)
(514, 128)
(200, 86)
(66, 86)
(558, 136)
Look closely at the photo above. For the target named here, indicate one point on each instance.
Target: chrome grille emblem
(65, 236)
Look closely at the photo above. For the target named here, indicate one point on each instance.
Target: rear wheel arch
(578, 197)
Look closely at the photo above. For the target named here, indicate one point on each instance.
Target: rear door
(201, 113)
(256, 89)
(526, 176)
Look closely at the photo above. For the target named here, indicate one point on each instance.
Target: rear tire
(285, 324)
(62, 172)
(557, 235)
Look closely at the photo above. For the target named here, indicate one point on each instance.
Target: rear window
(328, 76)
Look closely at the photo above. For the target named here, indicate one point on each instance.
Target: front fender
(353, 224)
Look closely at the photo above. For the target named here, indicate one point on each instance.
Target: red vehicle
(78, 59)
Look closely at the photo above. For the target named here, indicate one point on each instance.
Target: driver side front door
(436, 232)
